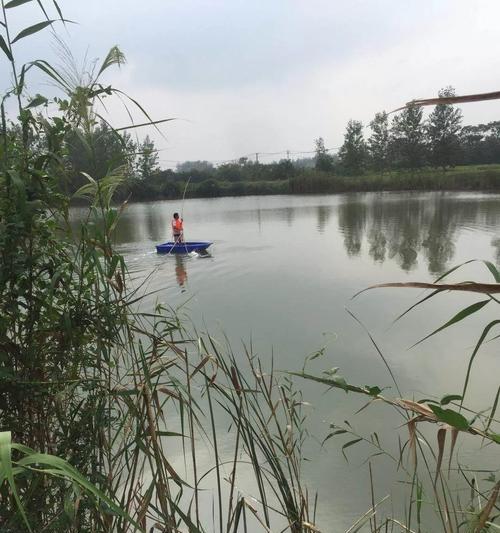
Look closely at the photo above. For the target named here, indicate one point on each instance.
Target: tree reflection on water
(404, 228)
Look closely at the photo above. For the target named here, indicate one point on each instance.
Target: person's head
(176, 216)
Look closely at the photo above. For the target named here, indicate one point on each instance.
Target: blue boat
(182, 247)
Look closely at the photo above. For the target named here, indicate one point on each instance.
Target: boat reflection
(180, 270)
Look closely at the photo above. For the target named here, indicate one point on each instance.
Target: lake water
(282, 272)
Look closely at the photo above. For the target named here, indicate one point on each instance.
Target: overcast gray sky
(271, 75)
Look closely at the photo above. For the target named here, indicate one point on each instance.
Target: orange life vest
(177, 225)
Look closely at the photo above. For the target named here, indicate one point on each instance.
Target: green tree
(189, 166)
(491, 143)
(324, 161)
(379, 142)
(471, 141)
(282, 170)
(481, 143)
(97, 152)
(408, 138)
(208, 188)
(147, 161)
(443, 128)
(353, 152)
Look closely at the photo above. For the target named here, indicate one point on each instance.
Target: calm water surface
(282, 272)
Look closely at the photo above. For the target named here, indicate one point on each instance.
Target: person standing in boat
(177, 228)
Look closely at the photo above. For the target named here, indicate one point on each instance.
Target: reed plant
(441, 493)
(105, 409)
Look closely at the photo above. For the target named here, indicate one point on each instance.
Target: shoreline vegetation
(409, 152)
(107, 411)
(484, 178)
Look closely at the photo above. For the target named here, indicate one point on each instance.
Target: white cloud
(270, 76)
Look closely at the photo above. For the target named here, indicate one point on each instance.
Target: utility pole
(288, 155)
(257, 158)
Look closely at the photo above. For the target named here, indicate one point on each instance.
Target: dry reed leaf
(115, 285)
(173, 347)
(362, 520)
(480, 97)
(454, 435)
(412, 440)
(234, 380)
(143, 509)
(200, 366)
(482, 288)
(253, 510)
(441, 438)
(485, 513)
(119, 282)
(419, 408)
(310, 527)
(273, 410)
(169, 392)
(404, 528)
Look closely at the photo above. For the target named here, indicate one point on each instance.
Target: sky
(265, 76)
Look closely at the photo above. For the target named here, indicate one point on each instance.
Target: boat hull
(182, 247)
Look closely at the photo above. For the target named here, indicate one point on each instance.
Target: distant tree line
(407, 142)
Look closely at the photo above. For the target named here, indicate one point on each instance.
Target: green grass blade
(464, 313)
(5, 48)
(348, 444)
(150, 123)
(493, 269)
(437, 291)
(456, 267)
(15, 3)
(6, 471)
(46, 67)
(30, 30)
(485, 332)
(58, 466)
(58, 9)
(450, 417)
(378, 351)
(445, 400)
(493, 410)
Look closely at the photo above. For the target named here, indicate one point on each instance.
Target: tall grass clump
(105, 410)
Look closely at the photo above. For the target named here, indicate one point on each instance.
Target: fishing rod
(182, 216)
(184, 196)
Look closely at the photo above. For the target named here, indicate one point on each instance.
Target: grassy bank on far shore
(460, 178)
(473, 178)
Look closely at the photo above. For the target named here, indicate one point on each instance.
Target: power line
(256, 155)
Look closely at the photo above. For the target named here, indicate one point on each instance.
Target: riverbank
(461, 178)
(469, 178)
